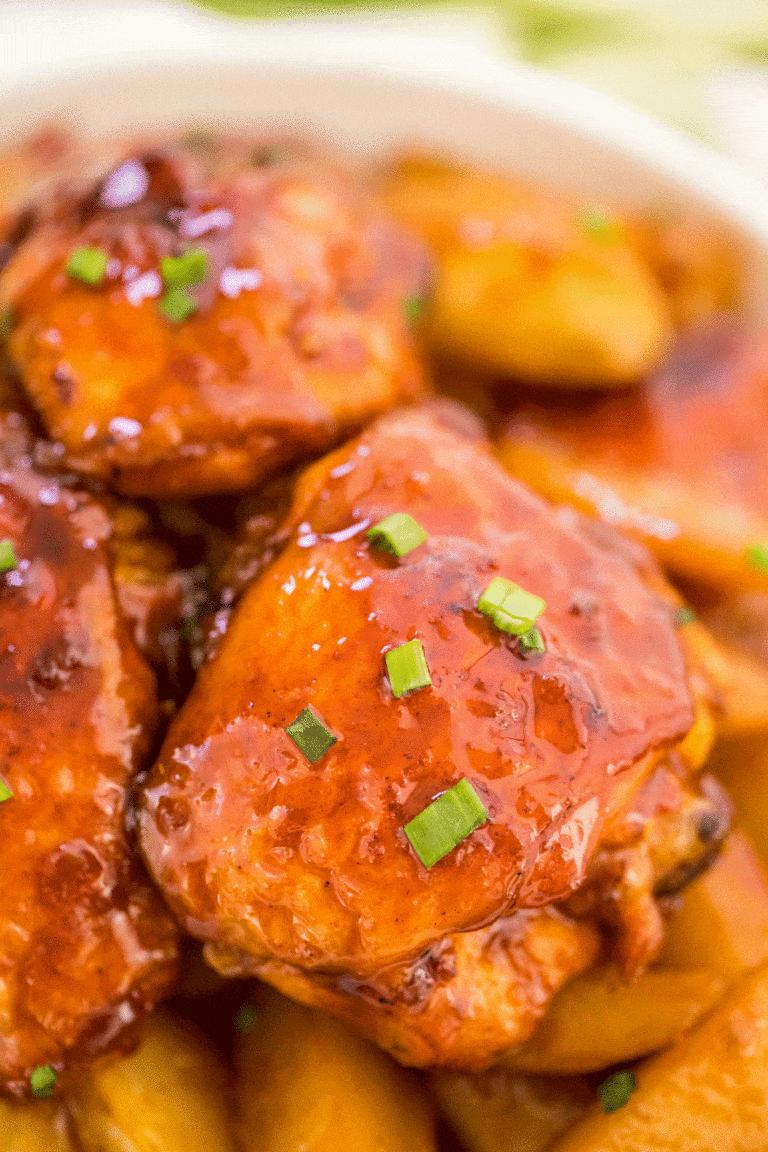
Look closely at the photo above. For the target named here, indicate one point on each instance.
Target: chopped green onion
(598, 227)
(683, 616)
(198, 140)
(616, 1090)
(8, 559)
(177, 305)
(7, 556)
(6, 324)
(190, 624)
(310, 735)
(397, 534)
(182, 271)
(757, 556)
(88, 265)
(511, 608)
(42, 1081)
(5, 792)
(532, 641)
(445, 823)
(407, 668)
(246, 1018)
(273, 154)
(414, 308)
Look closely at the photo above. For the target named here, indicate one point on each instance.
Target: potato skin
(86, 944)
(265, 856)
(269, 369)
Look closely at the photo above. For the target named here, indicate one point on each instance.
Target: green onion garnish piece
(598, 226)
(414, 309)
(6, 324)
(190, 624)
(310, 735)
(42, 1081)
(7, 556)
(407, 668)
(246, 1018)
(511, 608)
(88, 265)
(445, 823)
(182, 271)
(683, 616)
(5, 792)
(532, 641)
(757, 556)
(177, 305)
(273, 154)
(616, 1090)
(397, 534)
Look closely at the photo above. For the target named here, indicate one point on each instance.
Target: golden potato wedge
(304, 1081)
(709, 1093)
(740, 679)
(528, 284)
(628, 457)
(170, 1095)
(591, 315)
(742, 766)
(599, 1019)
(500, 1110)
(37, 1127)
(722, 925)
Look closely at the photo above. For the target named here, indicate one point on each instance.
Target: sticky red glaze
(464, 1001)
(684, 457)
(259, 851)
(267, 371)
(86, 944)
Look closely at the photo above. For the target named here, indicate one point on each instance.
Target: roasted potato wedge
(742, 766)
(170, 1095)
(627, 457)
(306, 1082)
(722, 926)
(709, 1093)
(501, 1110)
(528, 286)
(37, 1127)
(599, 1019)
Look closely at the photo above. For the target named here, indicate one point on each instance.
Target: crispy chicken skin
(681, 463)
(463, 1001)
(86, 944)
(263, 855)
(471, 997)
(300, 333)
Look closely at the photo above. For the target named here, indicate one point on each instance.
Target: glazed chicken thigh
(281, 862)
(188, 325)
(86, 945)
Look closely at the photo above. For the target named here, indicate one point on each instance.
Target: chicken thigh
(187, 326)
(274, 858)
(86, 945)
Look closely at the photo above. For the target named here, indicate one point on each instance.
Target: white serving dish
(365, 89)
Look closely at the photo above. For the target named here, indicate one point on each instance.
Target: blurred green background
(658, 54)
